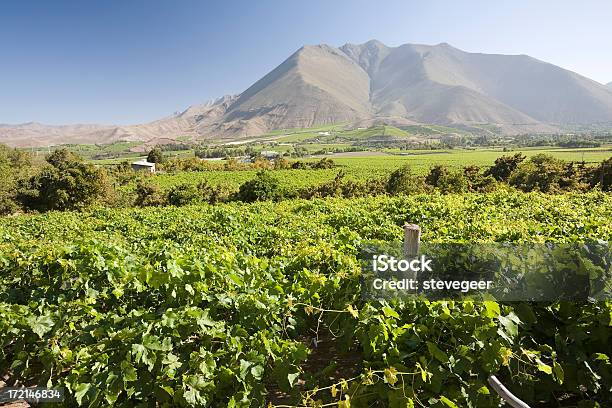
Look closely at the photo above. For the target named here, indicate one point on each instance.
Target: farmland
(219, 305)
(211, 284)
(381, 165)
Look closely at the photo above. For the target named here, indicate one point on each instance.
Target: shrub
(149, 194)
(281, 164)
(504, 167)
(299, 165)
(155, 156)
(261, 163)
(183, 194)
(67, 184)
(341, 186)
(213, 194)
(15, 166)
(324, 163)
(445, 180)
(477, 182)
(402, 181)
(602, 175)
(262, 187)
(546, 174)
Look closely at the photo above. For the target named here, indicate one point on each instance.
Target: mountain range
(361, 84)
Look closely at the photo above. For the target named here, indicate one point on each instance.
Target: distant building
(324, 133)
(269, 154)
(143, 165)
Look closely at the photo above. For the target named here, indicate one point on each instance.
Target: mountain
(444, 84)
(365, 83)
(609, 85)
(414, 83)
(180, 124)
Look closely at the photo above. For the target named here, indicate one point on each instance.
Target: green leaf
(292, 378)
(257, 372)
(390, 312)
(491, 308)
(448, 402)
(152, 343)
(483, 390)
(437, 353)
(80, 391)
(128, 371)
(40, 324)
(558, 370)
(545, 368)
(244, 368)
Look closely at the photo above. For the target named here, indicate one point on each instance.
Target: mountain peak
(322, 84)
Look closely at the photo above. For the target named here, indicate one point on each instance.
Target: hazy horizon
(124, 63)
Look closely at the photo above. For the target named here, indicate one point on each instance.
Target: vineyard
(378, 165)
(254, 305)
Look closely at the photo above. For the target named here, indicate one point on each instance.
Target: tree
(63, 158)
(402, 181)
(66, 184)
(324, 163)
(149, 194)
(445, 180)
(15, 166)
(504, 167)
(155, 156)
(183, 194)
(546, 174)
(477, 181)
(602, 175)
(262, 187)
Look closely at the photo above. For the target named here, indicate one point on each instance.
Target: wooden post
(412, 240)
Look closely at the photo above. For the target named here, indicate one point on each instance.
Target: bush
(547, 174)
(213, 194)
(299, 165)
(477, 182)
(445, 180)
(341, 186)
(402, 181)
(262, 187)
(504, 167)
(155, 156)
(67, 184)
(602, 175)
(281, 164)
(183, 194)
(149, 194)
(15, 166)
(324, 163)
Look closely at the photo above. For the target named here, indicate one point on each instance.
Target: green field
(239, 305)
(372, 166)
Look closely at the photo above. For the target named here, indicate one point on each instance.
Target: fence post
(412, 242)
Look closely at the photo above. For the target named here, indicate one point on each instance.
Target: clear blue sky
(129, 61)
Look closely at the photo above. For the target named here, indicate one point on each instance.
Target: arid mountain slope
(316, 85)
(444, 83)
(359, 83)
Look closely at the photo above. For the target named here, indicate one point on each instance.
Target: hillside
(370, 83)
